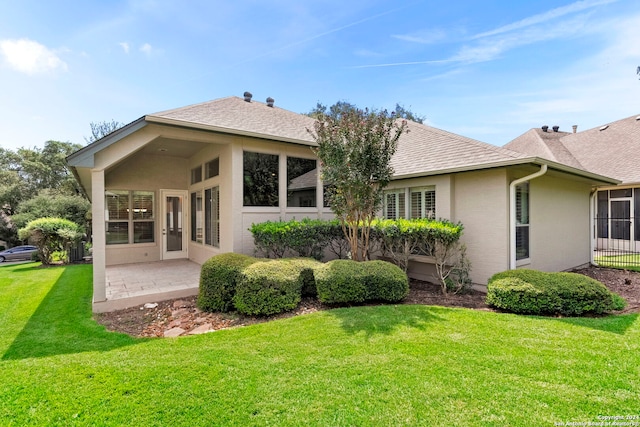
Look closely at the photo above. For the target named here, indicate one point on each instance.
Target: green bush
(268, 287)
(347, 281)
(51, 235)
(218, 280)
(306, 267)
(385, 281)
(535, 292)
(341, 281)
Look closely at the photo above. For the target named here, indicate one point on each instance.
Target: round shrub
(218, 280)
(268, 287)
(341, 281)
(535, 292)
(385, 281)
(306, 267)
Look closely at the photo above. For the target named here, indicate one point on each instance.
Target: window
(423, 203)
(212, 168)
(129, 217)
(212, 216)
(196, 175)
(196, 217)
(260, 176)
(302, 180)
(394, 204)
(522, 221)
(205, 216)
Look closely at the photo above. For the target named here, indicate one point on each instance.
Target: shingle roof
(613, 151)
(426, 150)
(237, 115)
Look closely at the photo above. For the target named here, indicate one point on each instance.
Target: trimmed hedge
(534, 292)
(268, 287)
(306, 267)
(347, 281)
(218, 280)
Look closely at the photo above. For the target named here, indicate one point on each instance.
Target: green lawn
(625, 261)
(368, 366)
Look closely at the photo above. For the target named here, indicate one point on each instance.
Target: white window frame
(426, 194)
(399, 199)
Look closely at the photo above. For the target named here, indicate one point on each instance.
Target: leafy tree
(355, 148)
(51, 235)
(101, 129)
(47, 203)
(340, 107)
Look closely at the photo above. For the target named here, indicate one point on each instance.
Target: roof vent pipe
(556, 128)
(247, 96)
(575, 128)
(545, 128)
(270, 102)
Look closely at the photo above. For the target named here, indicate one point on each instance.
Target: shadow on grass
(385, 319)
(63, 323)
(617, 324)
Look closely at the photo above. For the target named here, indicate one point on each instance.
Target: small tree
(101, 129)
(355, 148)
(51, 235)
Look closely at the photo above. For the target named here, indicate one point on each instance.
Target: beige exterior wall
(481, 203)
(144, 173)
(559, 223)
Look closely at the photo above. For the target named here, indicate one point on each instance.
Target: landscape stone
(174, 332)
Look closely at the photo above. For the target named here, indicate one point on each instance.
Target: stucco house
(613, 150)
(183, 184)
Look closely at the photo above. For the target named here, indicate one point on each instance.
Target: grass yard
(625, 261)
(366, 366)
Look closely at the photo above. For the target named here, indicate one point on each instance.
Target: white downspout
(592, 227)
(512, 213)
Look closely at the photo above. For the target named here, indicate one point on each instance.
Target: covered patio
(128, 285)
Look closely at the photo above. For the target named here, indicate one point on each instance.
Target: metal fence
(617, 240)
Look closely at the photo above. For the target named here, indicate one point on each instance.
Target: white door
(621, 230)
(174, 220)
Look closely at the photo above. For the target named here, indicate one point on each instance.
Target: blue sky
(488, 70)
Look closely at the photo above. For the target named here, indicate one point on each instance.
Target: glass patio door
(174, 235)
(621, 224)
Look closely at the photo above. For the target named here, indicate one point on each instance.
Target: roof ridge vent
(556, 128)
(604, 127)
(545, 128)
(638, 118)
(248, 96)
(270, 102)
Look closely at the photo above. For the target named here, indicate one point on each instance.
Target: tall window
(197, 230)
(522, 221)
(212, 216)
(394, 204)
(129, 217)
(260, 176)
(302, 180)
(423, 202)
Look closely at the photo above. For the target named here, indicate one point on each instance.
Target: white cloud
(146, 49)
(30, 57)
(422, 37)
(125, 46)
(544, 17)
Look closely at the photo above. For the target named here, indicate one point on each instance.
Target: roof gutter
(512, 212)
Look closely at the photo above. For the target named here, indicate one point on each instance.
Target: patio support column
(99, 236)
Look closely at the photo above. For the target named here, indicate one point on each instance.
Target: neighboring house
(189, 182)
(612, 150)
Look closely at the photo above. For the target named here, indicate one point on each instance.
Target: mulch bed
(183, 313)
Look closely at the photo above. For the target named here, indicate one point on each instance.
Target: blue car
(18, 253)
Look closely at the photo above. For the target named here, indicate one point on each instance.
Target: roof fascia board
(225, 130)
(516, 162)
(84, 157)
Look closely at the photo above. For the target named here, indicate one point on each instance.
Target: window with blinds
(212, 217)
(522, 221)
(423, 202)
(394, 204)
(129, 217)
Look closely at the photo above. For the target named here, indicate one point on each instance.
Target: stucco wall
(480, 202)
(147, 173)
(559, 223)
